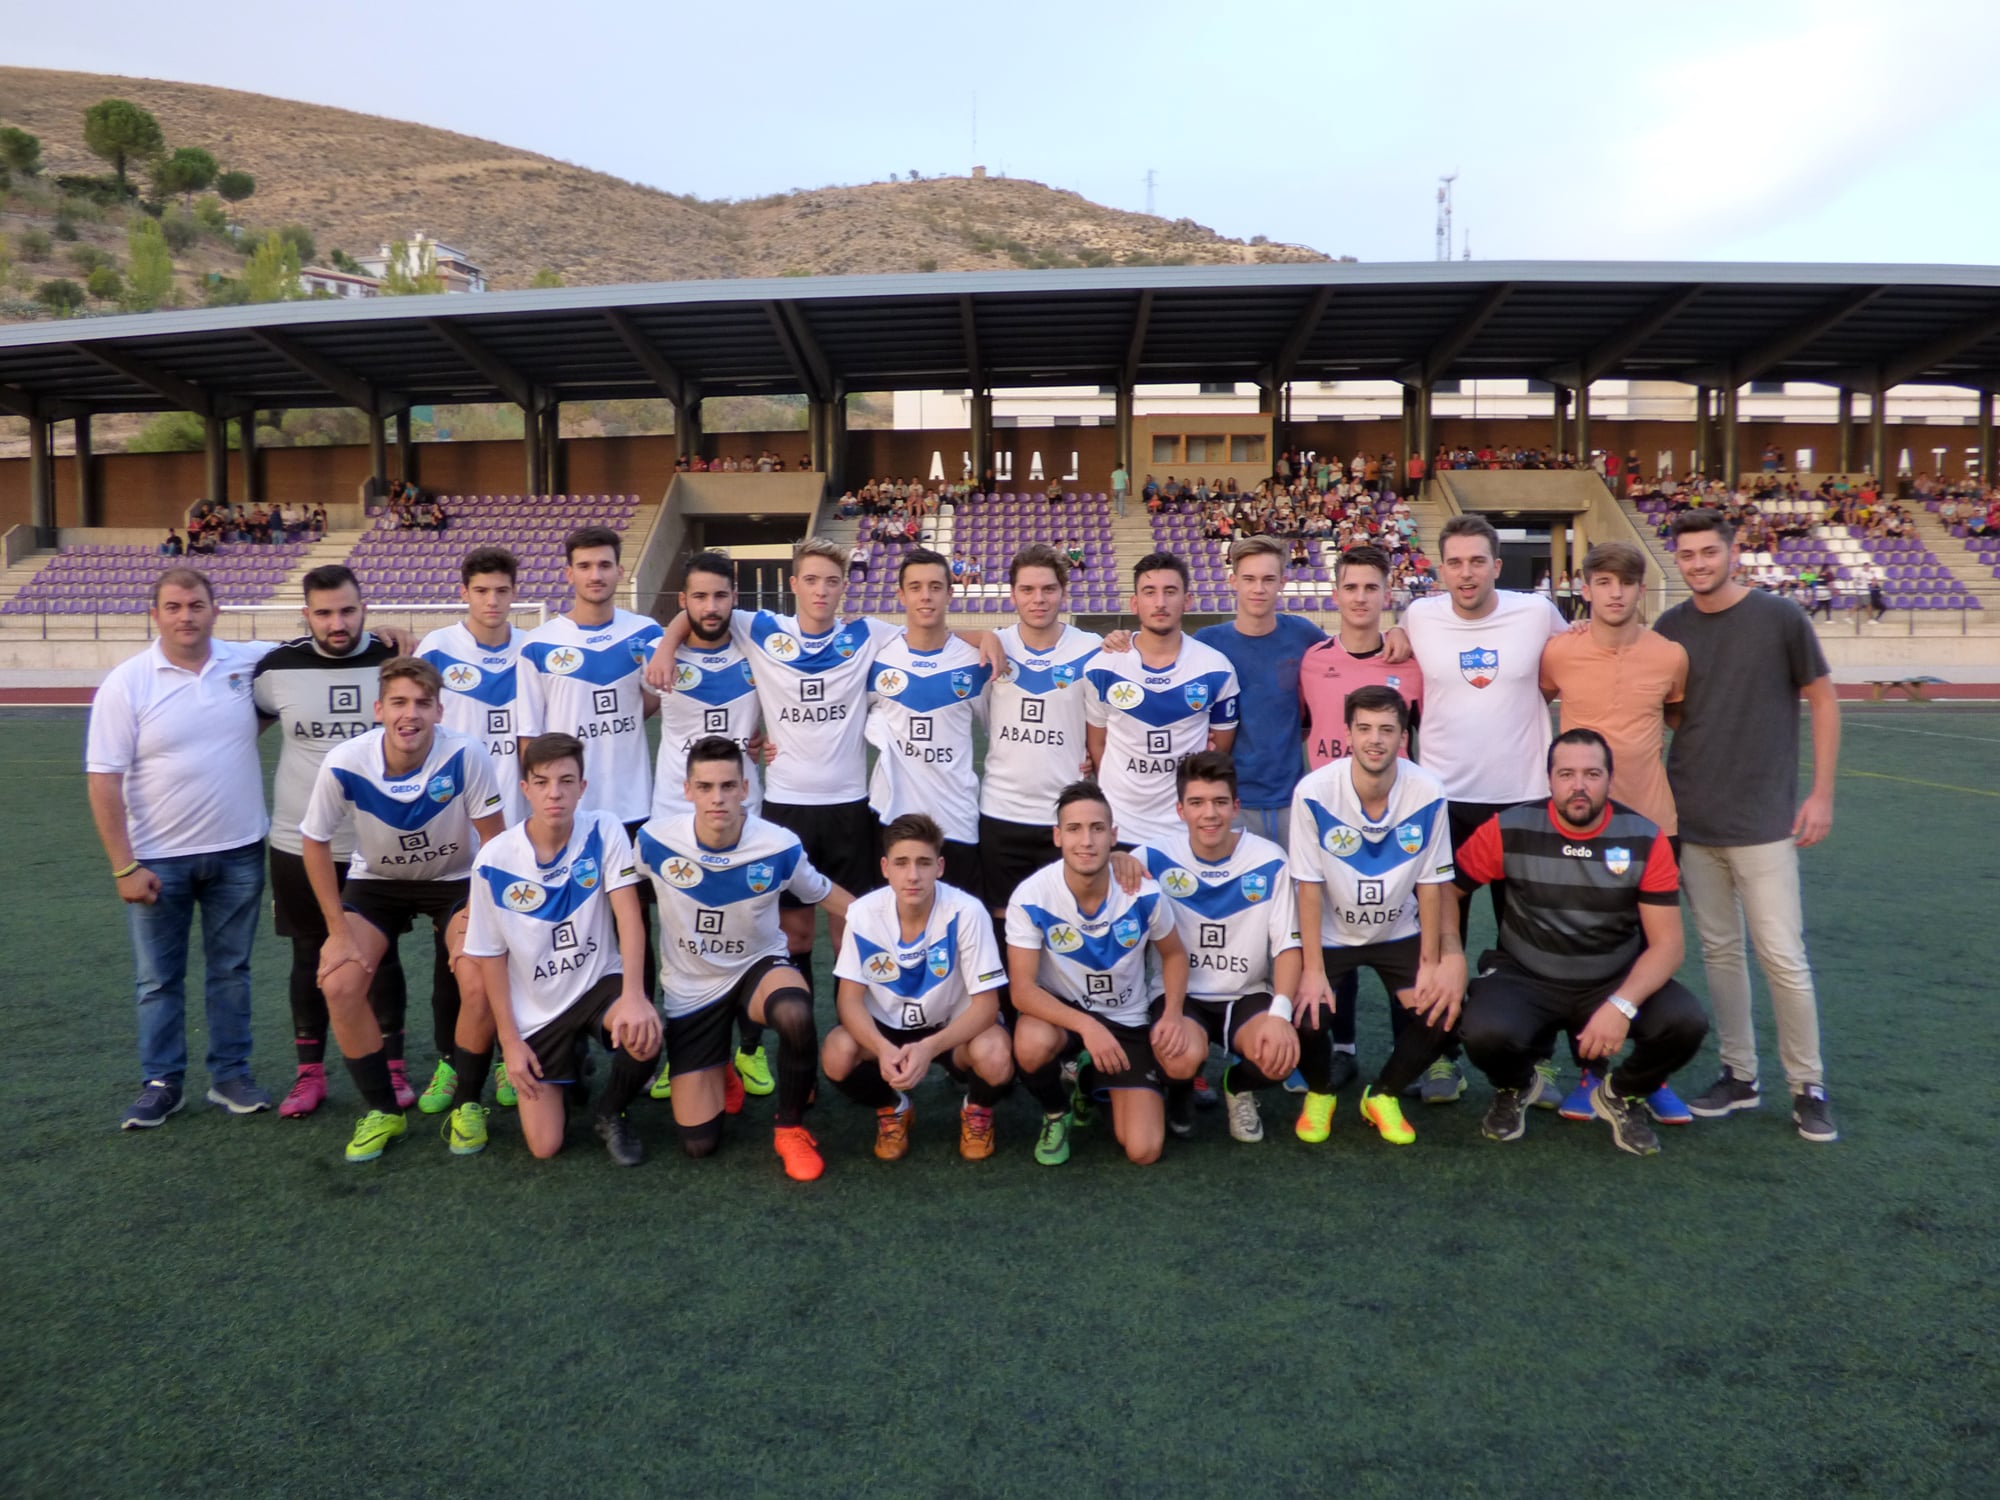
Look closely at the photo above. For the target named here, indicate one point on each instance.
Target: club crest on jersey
(1617, 861)
(782, 646)
(640, 648)
(686, 675)
(441, 788)
(1179, 883)
(523, 895)
(843, 645)
(882, 967)
(1009, 672)
(1341, 840)
(1256, 886)
(961, 683)
(1394, 681)
(938, 960)
(584, 876)
(461, 677)
(1126, 695)
(758, 878)
(563, 660)
(681, 873)
(1127, 931)
(1409, 837)
(1063, 938)
(1196, 694)
(1063, 674)
(890, 682)
(1479, 666)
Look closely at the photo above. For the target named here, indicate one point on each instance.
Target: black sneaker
(1725, 1096)
(1506, 1117)
(158, 1099)
(1343, 1073)
(621, 1142)
(1180, 1110)
(1813, 1115)
(1630, 1130)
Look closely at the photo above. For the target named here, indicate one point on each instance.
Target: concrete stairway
(331, 548)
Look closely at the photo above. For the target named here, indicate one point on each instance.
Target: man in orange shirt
(1617, 678)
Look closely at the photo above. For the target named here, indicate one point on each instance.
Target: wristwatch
(1625, 1007)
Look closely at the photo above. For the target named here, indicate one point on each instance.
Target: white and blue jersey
(924, 983)
(715, 692)
(1097, 961)
(479, 701)
(1369, 868)
(1035, 726)
(814, 689)
(1151, 718)
(412, 827)
(552, 923)
(921, 705)
(719, 907)
(1233, 918)
(587, 680)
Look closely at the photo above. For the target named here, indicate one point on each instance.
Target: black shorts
(1142, 1069)
(1222, 1019)
(294, 907)
(843, 841)
(703, 1039)
(1394, 962)
(393, 906)
(1008, 854)
(558, 1045)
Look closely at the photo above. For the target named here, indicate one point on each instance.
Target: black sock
(308, 1004)
(1416, 1049)
(790, 1014)
(471, 1068)
(749, 1035)
(311, 1049)
(983, 1095)
(1241, 1078)
(629, 1075)
(1046, 1086)
(371, 1077)
(1180, 1097)
(1316, 1059)
(1086, 1079)
(392, 1045)
(866, 1085)
(389, 994)
(444, 1000)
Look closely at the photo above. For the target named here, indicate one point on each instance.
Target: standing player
(718, 873)
(1167, 697)
(320, 691)
(923, 694)
(919, 979)
(1486, 724)
(1076, 961)
(1371, 851)
(714, 693)
(558, 937)
(1231, 898)
(414, 794)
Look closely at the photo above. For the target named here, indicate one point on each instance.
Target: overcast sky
(1698, 129)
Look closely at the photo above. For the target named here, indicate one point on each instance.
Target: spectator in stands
(1875, 600)
(1121, 481)
(172, 546)
(1150, 493)
(1566, 595)
(765, 462)
(1075, 555)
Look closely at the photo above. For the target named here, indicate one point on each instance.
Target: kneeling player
(718, 873)
(415, 793)
(1231, 896)
(1076, 956)
(560, 938)
(920, 977)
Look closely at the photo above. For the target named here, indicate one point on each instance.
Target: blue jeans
(229, 887)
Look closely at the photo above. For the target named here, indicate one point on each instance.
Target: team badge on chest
(1617, 861)
(1479, 666)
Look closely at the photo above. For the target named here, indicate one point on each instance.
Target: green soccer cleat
(755, 1071)
(373, 1134)
(436, 1097)
(662, 1087)
(1315, 1118)
(503, 1090)
(1052, 1146)
(464, 1129)
(1386, 1115)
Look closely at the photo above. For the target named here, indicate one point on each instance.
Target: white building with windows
(421, 255)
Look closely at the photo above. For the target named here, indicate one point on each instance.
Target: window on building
(1539, 387)
(1062, 421)
(1447, 387)
(1107, 390)
(1246, 448)
(1767, 387)
(1218, 387)
(1207, 449)
(1166, 448)
(1006, 421)
(1802, 461)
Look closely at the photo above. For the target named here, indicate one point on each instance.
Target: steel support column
(554, 480)
(1878, 437)
(1425, 445)
(378, 457)
(687, 428)
(836, 441)
(531, 450)
(1704, 435)
(89, 501)
(1729, 456)
(1409, 434)
(406, 447)
(215, 432)
(1845, 455)
(1583, 423)
(981, 416)
(253, 478)
(1559, 400)
(1986, 439)
(41, 473)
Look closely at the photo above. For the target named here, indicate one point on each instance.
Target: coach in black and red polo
(1589, 944)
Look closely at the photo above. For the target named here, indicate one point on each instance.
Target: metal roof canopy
(1868, 327)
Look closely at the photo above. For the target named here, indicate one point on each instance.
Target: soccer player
(1167, 697)
(1371, 852)
(1486, 724)
(919, 978)
(1234, 912)
(718, 873)
(1734, 766)
(923, 694)
(1620, 678)
(1035, 730)
(1076, 959)
(558, 937)
(320, 691)
(414, 793)
(715, 692)
(1590, 939)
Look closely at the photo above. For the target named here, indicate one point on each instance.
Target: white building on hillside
(423, 255)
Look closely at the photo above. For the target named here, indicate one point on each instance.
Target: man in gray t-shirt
(1734, 768)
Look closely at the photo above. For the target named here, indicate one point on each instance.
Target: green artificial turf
(225, 1307)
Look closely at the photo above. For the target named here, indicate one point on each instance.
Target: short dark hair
(411, 669)
(920, 827)
(1580, 737)
(715, 564)
(1701, 519)
(547, 749)
(1622, 560)
(1204, 765)
(330, 576)
(1468, 524)
(1038, 555)
(1081, 791)
(1160, 562)
(182, 578)
(714, 747)
(585, 537)
(489, 560)
(923, 557)
(1376, 698)
(1364, 555)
